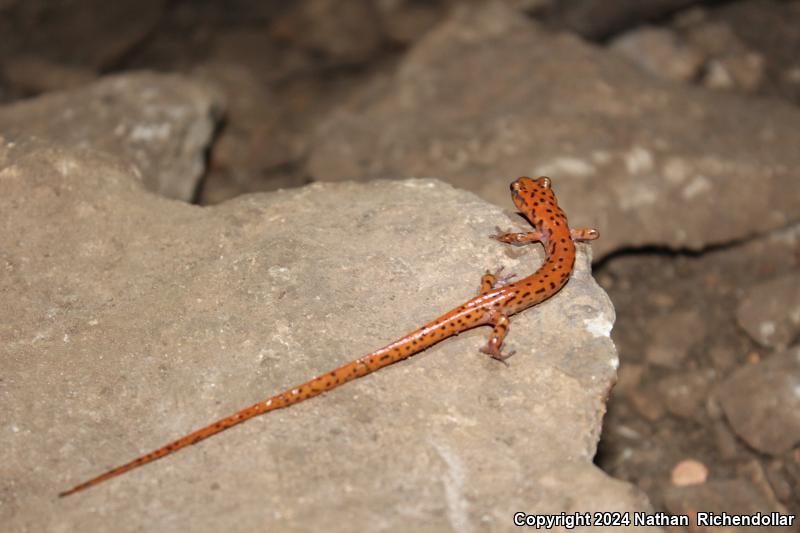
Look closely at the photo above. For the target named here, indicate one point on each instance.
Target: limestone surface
(130, 319)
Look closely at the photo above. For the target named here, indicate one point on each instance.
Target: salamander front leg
(491, 280)
(494, 347)
(584, 234)
(510, 237)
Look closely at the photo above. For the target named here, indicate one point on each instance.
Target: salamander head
(525, 191)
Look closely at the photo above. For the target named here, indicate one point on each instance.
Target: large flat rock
(130, 319)
(162, 123)
(489, 94)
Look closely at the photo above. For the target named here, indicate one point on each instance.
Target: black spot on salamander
(526, 294)
(468, 316)
(552, 285)
(387, 356)
(539, 291)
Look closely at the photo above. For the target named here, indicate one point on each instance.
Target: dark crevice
(683, 251)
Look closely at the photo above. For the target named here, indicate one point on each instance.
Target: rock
(770, 311)
(732, 496)
(143, 318)
(762, 404)
(777, 46)
(629, 378)
(776, 473)
(259, 136)
(344, 33)
(648, 403)
(649, 163)
(685, 393)
(732, 63)
(596, 19)
(672, 336)
(689, 472)
(741, 72)
(723, 358)
(757, 474)
(161, 123)
(660, 52)
(256, 50)
(725, 442)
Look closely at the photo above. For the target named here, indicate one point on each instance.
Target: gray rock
(488, 96)
(762, 404)
(130, 319)
(685, 393)
(660, 52)
(161, 123)
(778, 46)
(732, 64)
(770, 311)
(672, 336)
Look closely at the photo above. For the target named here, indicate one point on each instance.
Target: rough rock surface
(162, 123)
(130, 319)
(762, 402)
(770, 311)
(646, 161)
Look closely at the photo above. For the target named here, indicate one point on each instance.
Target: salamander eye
(544, 181)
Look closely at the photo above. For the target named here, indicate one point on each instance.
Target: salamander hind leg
(492, 280)
(494, 347)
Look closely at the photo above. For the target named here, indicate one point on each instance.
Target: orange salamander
(498, 299)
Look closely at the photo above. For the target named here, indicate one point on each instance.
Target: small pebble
(689, 472)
